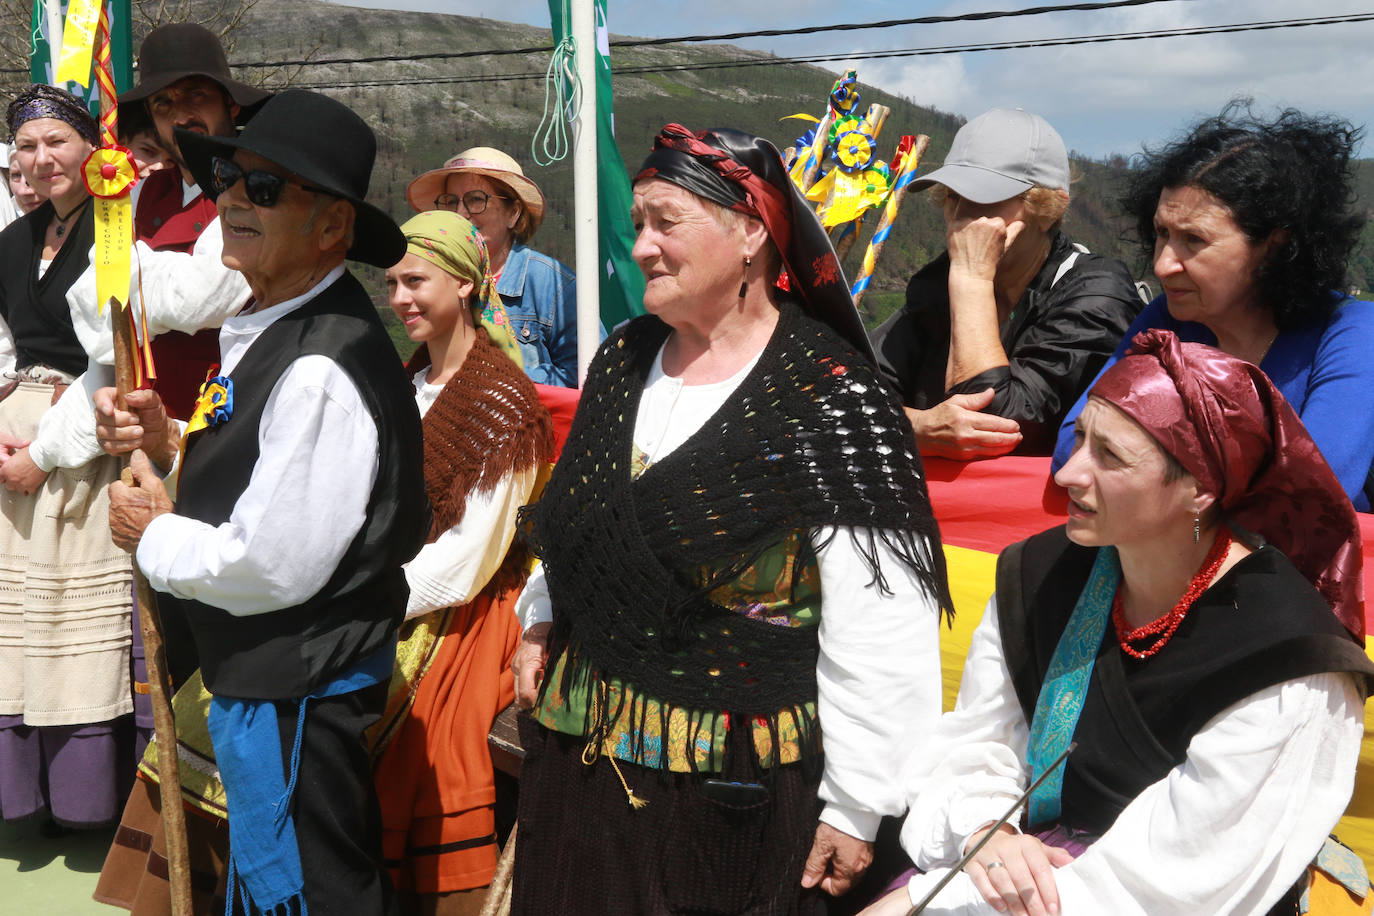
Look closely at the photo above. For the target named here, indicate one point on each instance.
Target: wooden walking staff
(110, 175)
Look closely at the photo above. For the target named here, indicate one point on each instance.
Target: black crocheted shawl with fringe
(810, 440)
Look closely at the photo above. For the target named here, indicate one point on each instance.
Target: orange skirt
(435, 780)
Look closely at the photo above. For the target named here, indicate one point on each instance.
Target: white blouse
(306, 498)
(1227, 831)
(878, 675)
(463, 559)
(177, 292)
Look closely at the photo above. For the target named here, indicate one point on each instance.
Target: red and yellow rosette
(109, 174)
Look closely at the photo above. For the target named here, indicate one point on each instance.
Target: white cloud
(936, 82)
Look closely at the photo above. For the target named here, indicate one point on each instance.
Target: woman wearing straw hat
(490, 189)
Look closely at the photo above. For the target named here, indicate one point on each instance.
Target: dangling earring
(744, 284)
(1197, 528)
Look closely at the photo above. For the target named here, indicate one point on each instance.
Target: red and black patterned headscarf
(745, 173)
(1225, 422)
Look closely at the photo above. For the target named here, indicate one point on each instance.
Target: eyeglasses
(473, 201)
(261, 188)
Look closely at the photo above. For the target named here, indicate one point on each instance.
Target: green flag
(622, 285)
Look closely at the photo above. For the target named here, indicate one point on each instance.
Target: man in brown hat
(184, 84)
(301, 495)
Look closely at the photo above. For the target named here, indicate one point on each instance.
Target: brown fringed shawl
(486, 422)
(811, 439)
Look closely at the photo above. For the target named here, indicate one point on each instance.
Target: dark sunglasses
(473, 201)
(261, 188)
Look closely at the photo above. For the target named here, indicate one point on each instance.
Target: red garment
(1225, 422)
(166, 224)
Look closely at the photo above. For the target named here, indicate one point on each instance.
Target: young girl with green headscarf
(486, 439)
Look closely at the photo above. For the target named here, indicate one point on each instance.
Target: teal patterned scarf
(1066, 685)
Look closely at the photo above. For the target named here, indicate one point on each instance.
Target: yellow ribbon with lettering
(109, 174)
(78, 42)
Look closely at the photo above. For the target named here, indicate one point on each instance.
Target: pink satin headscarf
(1225, 422)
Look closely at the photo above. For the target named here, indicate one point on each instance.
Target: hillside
(422, 122)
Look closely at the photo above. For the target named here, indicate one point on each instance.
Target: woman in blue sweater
(1250, 223)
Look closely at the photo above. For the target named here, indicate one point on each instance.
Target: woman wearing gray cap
(1002, 332)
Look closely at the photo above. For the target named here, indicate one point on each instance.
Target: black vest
(1259, 625)
(36, 309)
(292, 651)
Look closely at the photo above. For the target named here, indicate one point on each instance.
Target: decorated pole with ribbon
(110, 175)
(873, 125)
(843, 97)
(909, 151)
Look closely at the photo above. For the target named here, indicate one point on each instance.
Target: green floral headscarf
(449, 241)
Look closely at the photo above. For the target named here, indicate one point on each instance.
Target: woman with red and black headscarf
(738, 553)
(1196, 628)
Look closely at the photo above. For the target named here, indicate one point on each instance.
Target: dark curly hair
(1292, 173)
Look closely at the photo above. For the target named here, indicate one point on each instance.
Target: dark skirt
(582, 849)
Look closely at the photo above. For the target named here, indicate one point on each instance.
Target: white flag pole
(588, 259)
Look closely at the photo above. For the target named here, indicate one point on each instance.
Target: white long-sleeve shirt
(176, 291)
(1227, 831)
(460, 562)
(878, 676)
(306, 498)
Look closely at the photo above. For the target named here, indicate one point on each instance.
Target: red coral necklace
(1162, 628)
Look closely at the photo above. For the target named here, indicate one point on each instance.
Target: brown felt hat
(182, 49)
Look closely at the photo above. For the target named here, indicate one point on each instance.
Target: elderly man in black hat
(300, 497)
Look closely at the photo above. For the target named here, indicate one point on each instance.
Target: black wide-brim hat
(182, 49)
(324, 144)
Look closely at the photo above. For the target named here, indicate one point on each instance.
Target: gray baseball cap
(1001, 154)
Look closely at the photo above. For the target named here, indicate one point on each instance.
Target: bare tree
(223, 17)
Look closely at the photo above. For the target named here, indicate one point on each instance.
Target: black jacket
(1057, 339)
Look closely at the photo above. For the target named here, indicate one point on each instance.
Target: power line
(893, 23)
(769, 61)
(726, 36)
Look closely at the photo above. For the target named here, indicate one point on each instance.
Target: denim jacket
(540, 295)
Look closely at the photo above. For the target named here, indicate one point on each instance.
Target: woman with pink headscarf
(1196, 628)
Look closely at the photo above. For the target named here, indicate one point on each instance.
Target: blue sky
(1103, 98)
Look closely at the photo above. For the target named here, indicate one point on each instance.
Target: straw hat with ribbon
(479, 160)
